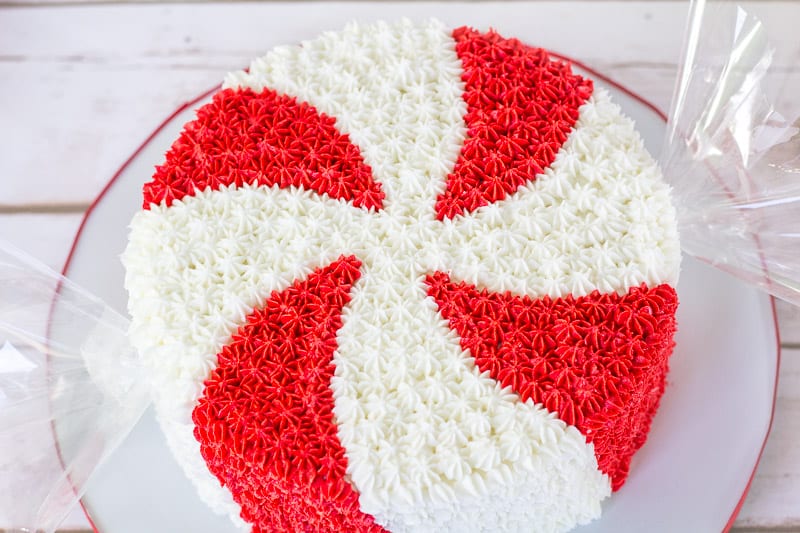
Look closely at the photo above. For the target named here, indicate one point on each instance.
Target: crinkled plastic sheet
(71, 389)
(732, 150)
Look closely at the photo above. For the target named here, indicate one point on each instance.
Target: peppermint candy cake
(406, 278)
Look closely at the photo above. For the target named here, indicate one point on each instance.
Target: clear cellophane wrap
(71, 388)
(732, 148)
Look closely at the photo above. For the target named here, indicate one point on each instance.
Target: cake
(405, 278)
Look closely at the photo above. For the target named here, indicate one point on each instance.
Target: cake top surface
(406, 278)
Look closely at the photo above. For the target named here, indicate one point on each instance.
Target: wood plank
(789, 316)
(191, 34)
(87, 120)
(47, 237)
(633, 31)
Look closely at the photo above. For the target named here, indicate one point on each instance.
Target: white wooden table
(83, 82)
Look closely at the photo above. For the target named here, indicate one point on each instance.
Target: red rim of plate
(591, 71)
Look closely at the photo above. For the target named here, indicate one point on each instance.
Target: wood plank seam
(44, 209)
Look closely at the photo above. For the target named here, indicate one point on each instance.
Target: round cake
(406, 278)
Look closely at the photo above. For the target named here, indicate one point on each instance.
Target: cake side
(493, 337)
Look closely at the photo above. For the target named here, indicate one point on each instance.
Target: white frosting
(599, 218)
(431, 443)
(396, 90)
(194, 271)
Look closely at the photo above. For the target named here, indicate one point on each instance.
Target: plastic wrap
(732, 151)
(70, 390)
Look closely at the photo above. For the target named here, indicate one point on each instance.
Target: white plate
(690, 476)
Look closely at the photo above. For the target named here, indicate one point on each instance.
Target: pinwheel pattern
(406, 279)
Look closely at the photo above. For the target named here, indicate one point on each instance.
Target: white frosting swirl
(432, 444)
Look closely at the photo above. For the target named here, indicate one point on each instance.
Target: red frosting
(265, 138)
(265, 420)
(521, 107)
(598, 361)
